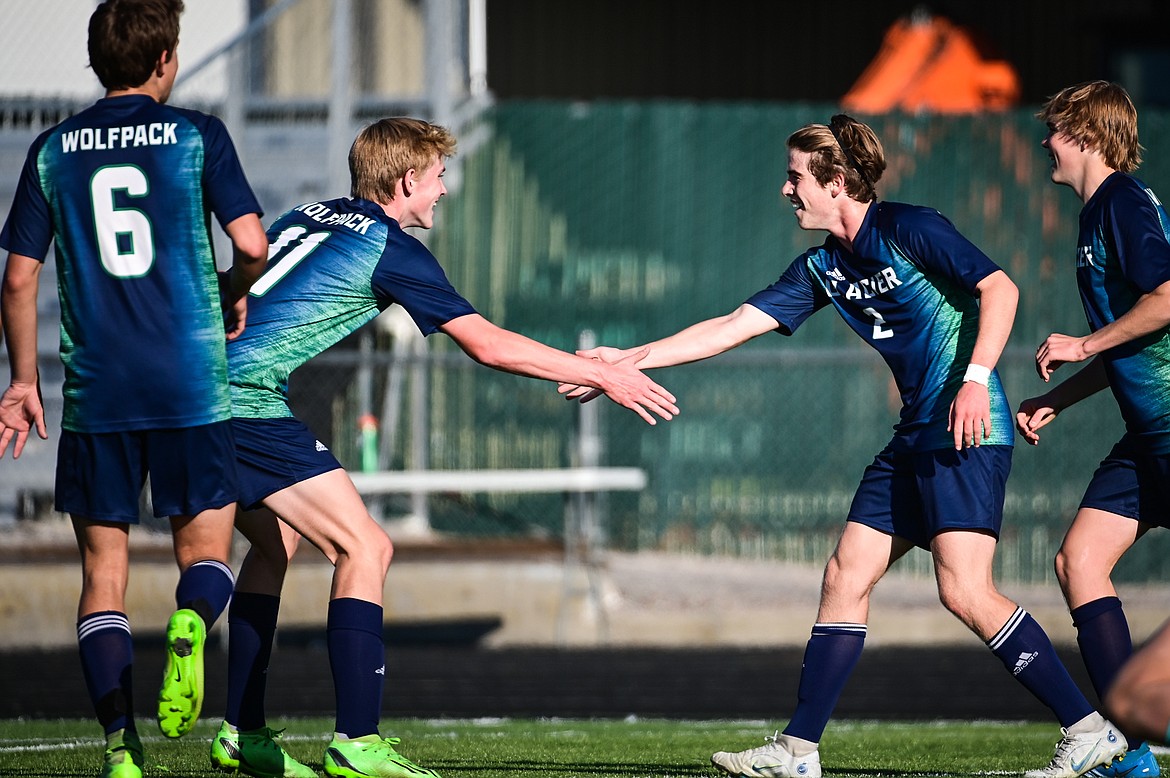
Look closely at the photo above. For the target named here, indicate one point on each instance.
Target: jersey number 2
(878, 323)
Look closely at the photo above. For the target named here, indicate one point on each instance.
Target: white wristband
(977, 374)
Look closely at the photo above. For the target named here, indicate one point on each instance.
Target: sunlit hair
(383, 153)
(1100, 115)
(844, 145)
(127, 37)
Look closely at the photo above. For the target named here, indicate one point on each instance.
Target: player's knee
(843, 585)
(961, 600)
(1061, 566)
(385, 551)
(271, 554)
(1072, 566)
(377, 548)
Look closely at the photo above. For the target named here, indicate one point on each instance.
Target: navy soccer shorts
(100, 475)
(1132, 483)
(916, 495)
(274, 454)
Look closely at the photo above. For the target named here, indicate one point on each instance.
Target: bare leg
(963, 569)
(1094, 543)
(1139, 699)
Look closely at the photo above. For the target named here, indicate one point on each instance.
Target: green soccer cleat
(371, 756)
(181, 696)
(256, 753)
(123, 757)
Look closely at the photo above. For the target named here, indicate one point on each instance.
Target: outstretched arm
(970, 414)
(20, 405)
(705, 339)
(1150, 313)
(698, 341)
(512, 352)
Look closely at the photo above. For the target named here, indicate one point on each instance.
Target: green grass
(564, 748)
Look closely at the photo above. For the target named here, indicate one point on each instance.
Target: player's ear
(163, 59)
(408, 182)
(837, 184)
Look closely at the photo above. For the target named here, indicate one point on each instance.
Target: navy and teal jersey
(907, 288)
(125, 190)
(1123, 252)
(332, 267)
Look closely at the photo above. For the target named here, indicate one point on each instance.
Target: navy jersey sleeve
(792, 298)
(929, 239)
(1131, 220)
(29, 228)
(229, 196)
(408, 274)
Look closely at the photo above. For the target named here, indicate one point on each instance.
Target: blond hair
(1101, 116)
(846, 146)
(383, 152)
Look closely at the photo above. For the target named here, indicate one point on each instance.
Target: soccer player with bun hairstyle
(939, 312)
(125, 189)
(334, 265)
(1122, 265)
(846, 147)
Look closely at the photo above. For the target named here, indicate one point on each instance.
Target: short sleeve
(29, 228)
(930, 240)
(1133, 222)
(408, 274)
(229, 196)
(792, 298)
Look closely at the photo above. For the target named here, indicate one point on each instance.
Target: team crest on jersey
(1085, 256)
(321, 446)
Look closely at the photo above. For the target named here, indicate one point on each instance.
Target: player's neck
(149, 89)
(852, 217)
(1093, 176)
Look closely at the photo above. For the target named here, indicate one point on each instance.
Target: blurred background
(618, 178)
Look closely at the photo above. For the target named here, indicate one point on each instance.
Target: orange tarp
(926, 63)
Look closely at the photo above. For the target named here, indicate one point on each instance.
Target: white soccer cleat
(770, 760)
(1077, 754)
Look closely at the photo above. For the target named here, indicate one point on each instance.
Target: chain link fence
(629, 220)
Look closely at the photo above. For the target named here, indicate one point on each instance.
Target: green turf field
(569, 747)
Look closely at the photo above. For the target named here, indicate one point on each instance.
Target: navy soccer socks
(1025, 650)
(357, 658)
(251, 630)
(829, 658)
(205, 587)
(107, 658)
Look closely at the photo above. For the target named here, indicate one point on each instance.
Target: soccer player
(1123, 273)
(939, 312)
(333, 266)
(125, 190)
